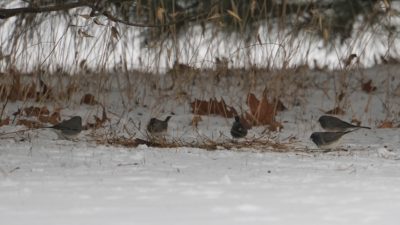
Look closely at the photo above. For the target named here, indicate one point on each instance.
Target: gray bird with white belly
(334, 124)
(327, 140)
(238, 130)
(156, 126)
(68, 128)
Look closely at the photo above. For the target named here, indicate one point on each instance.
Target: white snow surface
(63, 182)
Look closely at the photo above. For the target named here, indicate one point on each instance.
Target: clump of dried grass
(256, 144)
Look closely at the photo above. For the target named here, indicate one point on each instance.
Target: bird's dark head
(237, 118)
(314, 137)
(326, 120)
(321, 119)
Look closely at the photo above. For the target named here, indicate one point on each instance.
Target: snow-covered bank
(45, 181)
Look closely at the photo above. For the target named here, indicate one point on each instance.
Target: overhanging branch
(7, 13)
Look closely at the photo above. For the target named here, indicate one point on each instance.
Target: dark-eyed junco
(156, 126)
(334, 124)
(69, 128)
(238, 130)
(327, 140)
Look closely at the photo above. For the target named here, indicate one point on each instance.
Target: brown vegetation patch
(253, 144)
(89, 99)
(386, 124)
(29, 123)
(368, 87)
(213, 107)
(262, 112)
(5, 122)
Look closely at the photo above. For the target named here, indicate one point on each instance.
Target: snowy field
(58, 182)
(44, 180)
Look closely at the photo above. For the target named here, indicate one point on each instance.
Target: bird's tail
(349, 131)
(45, 127)
(357, 128)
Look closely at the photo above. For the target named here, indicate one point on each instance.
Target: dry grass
(240, 145)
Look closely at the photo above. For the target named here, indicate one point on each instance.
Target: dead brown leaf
(214, 107)
(5, 122)
(89, 99)
(36, 111)
(368, 87)
(29, 123)
(98, 121)
(275, 126)
(54, 118)
(261, 111)
(44, 119)
(386, 124)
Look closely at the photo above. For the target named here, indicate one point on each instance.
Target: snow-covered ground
(44, 180)
(61, 182)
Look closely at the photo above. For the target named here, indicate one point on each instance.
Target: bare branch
(7, 13)
(185, 19)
